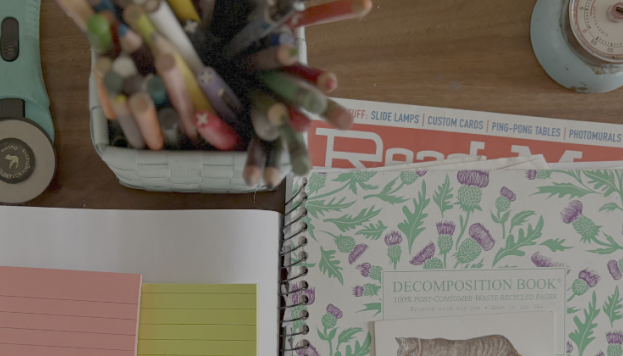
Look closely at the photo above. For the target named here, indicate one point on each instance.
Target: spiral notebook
(369, 246)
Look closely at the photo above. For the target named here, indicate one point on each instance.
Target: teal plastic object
(23, 78)
(559, 60)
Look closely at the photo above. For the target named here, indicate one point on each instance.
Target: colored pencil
(265, 20)
(203, 42)
(133, 44)
(215, 131)
(99, 34)
(164, 20)
(170, 125)
(222, 97)
(156, 88)
(299, 156)
(127, 122)
(101, 5)
(135, 17)
(325, 81)
(272, 171)
(184, 10)
(178, 93)
(298, 121)
(78, 10)
(113, 83)
(134, 84)
(262, 127)
(330, 12)
(338, 116)
(103, 65)
(255, 161)
(144, 112)
(115, 135)
(275, 111)
(271, 58)
(199, 100)
(124, 66)
(295, 91)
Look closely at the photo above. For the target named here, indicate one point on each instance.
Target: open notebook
(180, 247)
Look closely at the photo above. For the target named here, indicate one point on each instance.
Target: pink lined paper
(66, 313)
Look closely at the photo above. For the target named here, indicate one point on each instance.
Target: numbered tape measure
(579, 43)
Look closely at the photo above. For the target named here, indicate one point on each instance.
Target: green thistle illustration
(367, 290)
(470, 194)
(444, 241)
(433, 263)
(572, 214)
(480, 240)
(316, 182)
(367, 270)
(615, 339)
(329, 322)
(394, 251)
(347, 244)
(586, 279)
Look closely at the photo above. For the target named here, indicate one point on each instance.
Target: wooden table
(464, 54)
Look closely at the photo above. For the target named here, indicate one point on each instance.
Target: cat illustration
(492, 345)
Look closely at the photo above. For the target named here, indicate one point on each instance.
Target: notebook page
(210, 246)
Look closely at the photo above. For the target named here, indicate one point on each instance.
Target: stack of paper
(68, 313)
(198, 319)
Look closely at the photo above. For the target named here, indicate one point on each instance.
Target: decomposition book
(370, 246)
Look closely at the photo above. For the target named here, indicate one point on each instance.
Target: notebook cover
(364, 228)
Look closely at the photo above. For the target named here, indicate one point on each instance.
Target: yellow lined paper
(198, 319)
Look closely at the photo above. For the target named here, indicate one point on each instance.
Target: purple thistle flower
(613, 268)
(420, 173)
(590, 277)
(393, 238)
(335, 311)
(364, 268)
(572, 211)
(310, 293)
(531, 174)
(426, 254)
(614, 337)
(357, 252)
(544, 261)
(306, 351)
(358, 291)
(600, 353)
(569, 347)
(482, 236)
(508, 194)
(445, 228)
(479, 179)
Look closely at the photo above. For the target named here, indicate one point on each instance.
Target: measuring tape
(579, 43)
(27, 157)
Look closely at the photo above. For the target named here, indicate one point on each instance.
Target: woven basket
(174, 171)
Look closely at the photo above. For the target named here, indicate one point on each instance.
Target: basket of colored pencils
(206, 95)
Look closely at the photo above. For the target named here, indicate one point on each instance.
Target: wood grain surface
(464, 54)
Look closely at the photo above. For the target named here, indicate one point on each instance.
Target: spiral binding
(302, 257)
